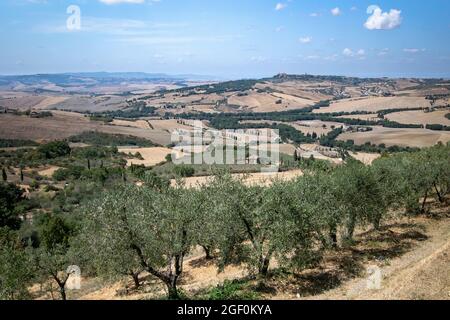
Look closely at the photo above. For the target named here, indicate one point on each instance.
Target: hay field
(21, 102)
(398, 136)
(152, 156)
(65, 124)
(82, 103)
(128, 123)
(366, 158)
(304, 126)
(420, 117)
(374, 104)
(263, 178)
(266, 102)
(170, 125)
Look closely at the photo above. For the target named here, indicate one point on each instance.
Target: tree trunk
(424, 202)
(264, 266)
(332, 233)
(333, 238)
(350, 229)
(62, 291)
(441, 199)
(377, 221)
(172, 289)
(135, 277)
(208, 255)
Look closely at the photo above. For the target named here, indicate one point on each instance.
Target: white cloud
(279, 29)
(350, 53)
(305, 40)
(336, 12)
(380, 20)
(280, 6)
(258, 59)
(383, 52)
(413, 50)
(347, 52)
(314, 14)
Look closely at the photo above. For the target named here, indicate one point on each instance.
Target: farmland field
(420, 117)
(65, 124)
(401, 137)
(373, 104)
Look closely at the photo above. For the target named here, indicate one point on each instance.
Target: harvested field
(65, 124)
(398, 136)
(169, 125)
(420, 117)
(306, 126)
(366, 158)
(152, 156)
(48, 102)
(82, 103)
(263, 178)
(266, 102)
(374, 104)
(135, 124)
(21, 102)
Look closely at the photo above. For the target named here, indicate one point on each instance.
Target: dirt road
(423, 273)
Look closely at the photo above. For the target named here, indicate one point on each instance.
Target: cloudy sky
(230, 39)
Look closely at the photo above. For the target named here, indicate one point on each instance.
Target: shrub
(184, 171)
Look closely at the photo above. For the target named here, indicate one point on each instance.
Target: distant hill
(85, 81)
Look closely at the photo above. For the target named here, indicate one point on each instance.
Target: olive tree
(258, 223)
(15, 273)
(53, 263)
(357, 195)
(152, 228)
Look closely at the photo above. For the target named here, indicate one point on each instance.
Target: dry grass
(260, 178)
(135, 124)
(373, 104)
(266, 102)
(366, 158)
(398, 136)
(152, 156)
(48, 171)
(420, 117)
(65, 124)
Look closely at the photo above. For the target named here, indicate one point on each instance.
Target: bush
(184, 171)
(54, 149)
(231, 290)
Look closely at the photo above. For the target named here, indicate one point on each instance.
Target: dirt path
(422, 273)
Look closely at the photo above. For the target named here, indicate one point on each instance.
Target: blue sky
(230, 39)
